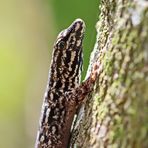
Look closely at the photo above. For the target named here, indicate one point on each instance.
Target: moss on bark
(116, 114)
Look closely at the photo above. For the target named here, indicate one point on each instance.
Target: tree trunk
(115, 115)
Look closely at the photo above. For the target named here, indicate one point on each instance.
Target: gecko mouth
(76, 29)
(75, 33)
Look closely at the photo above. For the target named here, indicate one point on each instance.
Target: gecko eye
(61, 44)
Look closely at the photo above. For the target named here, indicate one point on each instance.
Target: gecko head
(71, 38)
(67, 55)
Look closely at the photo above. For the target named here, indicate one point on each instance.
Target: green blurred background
(27, 32)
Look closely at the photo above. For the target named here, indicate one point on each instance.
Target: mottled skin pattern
(63, 93)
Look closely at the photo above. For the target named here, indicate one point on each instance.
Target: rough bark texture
(116, 114)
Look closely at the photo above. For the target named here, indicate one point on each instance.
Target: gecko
(64, 93)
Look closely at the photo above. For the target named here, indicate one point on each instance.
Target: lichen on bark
(116, 113)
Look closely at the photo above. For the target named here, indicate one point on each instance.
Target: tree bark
(115, 115)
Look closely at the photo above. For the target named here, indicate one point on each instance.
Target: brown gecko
(64, 93)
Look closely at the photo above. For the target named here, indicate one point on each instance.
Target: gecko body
(64, 92)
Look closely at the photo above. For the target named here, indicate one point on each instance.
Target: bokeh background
(28, 29)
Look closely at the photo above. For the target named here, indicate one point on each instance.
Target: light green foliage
(28, 30)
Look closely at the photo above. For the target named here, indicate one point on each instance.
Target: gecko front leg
(78, 95)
